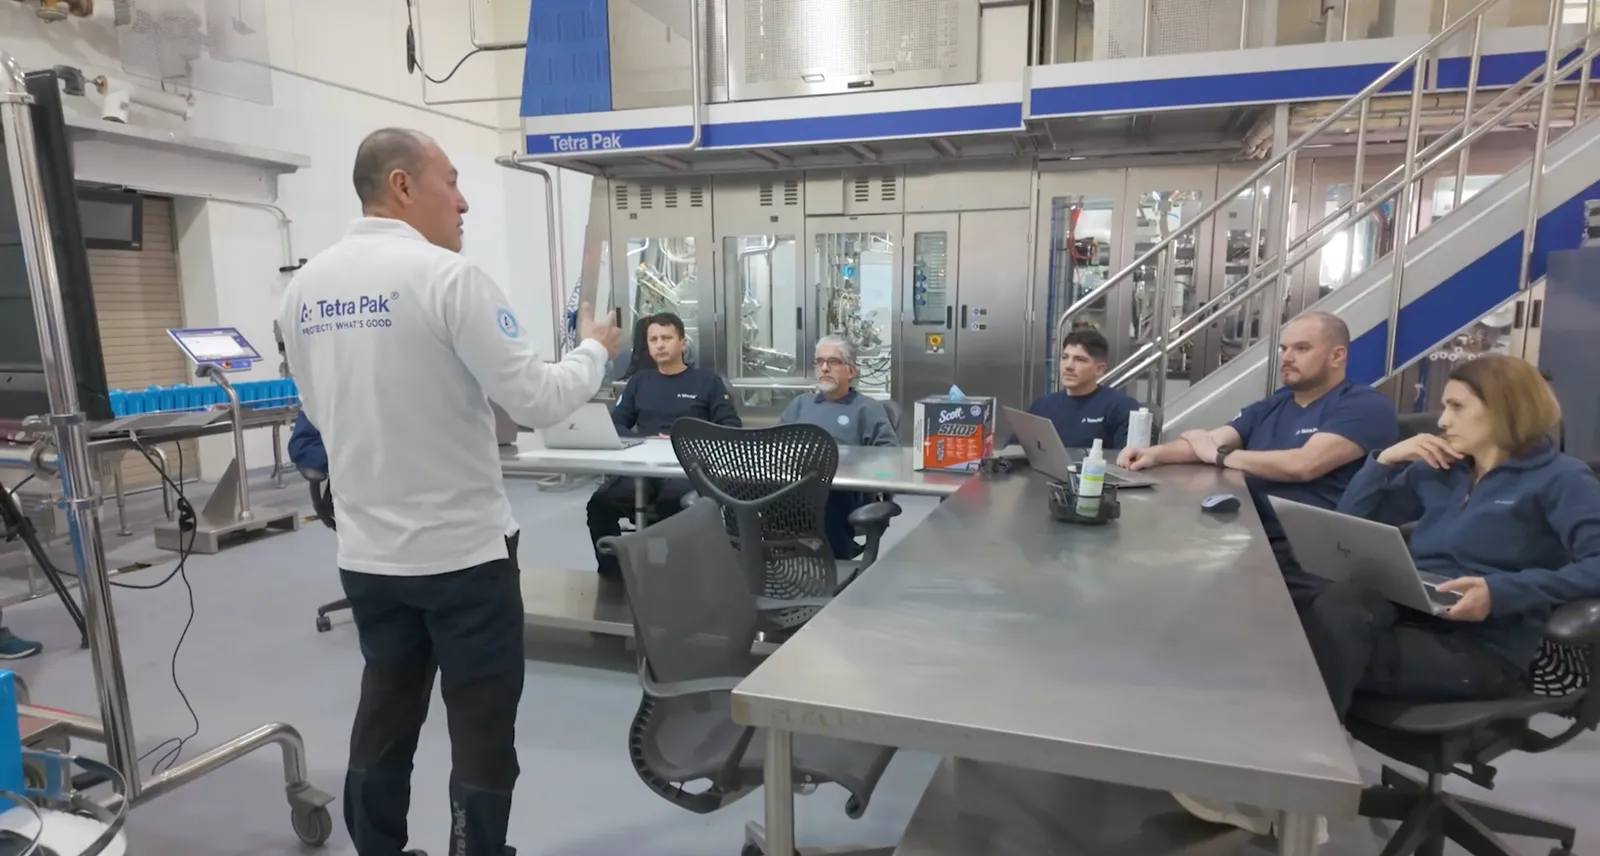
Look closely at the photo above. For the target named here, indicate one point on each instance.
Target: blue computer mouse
(1220, 503)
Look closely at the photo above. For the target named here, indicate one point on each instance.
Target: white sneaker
(1248, 818)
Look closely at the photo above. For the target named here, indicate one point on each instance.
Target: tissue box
(953, 436)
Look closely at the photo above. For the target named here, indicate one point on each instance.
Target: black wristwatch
(1222, 456)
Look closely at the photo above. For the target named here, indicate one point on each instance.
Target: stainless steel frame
(81, 501)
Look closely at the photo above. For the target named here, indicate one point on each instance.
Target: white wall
(338, 72)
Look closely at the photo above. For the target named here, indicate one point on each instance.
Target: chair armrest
(874, 516)
(1576, 623)
(311, 475)
(679, 689)
(688, 500)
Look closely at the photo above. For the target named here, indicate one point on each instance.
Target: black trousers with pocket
(613, 501)
(1365, 644)
(466, 627)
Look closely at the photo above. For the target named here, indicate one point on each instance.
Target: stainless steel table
(1161, 651)
(581, 600)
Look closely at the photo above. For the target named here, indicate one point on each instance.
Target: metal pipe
(1344, 23)
(1042, 35)
(553, 237)
(1282, 212)
(1160, 318)
(1466, 120)
(34, 459)
(80, 493)
(75, 724)
(1149, 26)
(1257, 214)
(778, 788)
(1305, 139)
(1541, 142)
(287, 738)
(1404, 219)
(1358, 186)
(1584, 75)
(472, 33)
(1244, 24)
(696, 79)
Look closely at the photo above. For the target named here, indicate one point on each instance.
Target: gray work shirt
(853, 420)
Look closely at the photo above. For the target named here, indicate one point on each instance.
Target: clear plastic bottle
(1140, 426)
(1091, 481)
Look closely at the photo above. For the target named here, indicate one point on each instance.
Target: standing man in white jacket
(398, 344)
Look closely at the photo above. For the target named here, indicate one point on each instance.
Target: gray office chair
(322, 504)
(892, 409)
(1464, 738)
(695, 620)
(773, 484)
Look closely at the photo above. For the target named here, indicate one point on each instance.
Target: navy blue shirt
(1354, 411)
(652, 401)
(1081, 419)
(1530, 528)
(305, 446)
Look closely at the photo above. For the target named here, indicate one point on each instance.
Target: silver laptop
(1374, 555)
(590, 429)
(1046, 453)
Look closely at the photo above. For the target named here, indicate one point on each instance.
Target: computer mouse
(1220, 503)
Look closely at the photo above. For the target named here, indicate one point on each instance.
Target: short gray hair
(845, 347)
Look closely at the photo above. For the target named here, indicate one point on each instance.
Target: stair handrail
(1429, 154)
(1318, 236)
(1413, 59)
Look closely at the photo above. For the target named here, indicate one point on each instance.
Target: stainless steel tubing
(1159, 319)
(553, 237)
(77, 725)
(1149, 26)
(1466, 120)
(285, 736)
(35, 459)
(778, 789)
(237, 419)
(81, 494)
(1272, 311)
(1404, 219)
(1585, 74)
(1541, 142)
(1358, 186)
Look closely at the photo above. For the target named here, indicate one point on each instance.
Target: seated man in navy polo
(852, 419)
(1082, 410)
(1303, 442)
(655, 397)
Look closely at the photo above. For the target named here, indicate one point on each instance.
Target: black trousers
(1368, 645)
(465, 626)
(612, 503)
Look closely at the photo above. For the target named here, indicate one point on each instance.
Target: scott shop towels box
(954, 434)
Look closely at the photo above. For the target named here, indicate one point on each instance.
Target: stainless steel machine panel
(991, 317)
(762, 345)
(852, 265)
(650, 52)
(782, 48)
(927, 341)
(1080, 230)
(661, 241)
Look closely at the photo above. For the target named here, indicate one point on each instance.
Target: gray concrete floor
(253, 656)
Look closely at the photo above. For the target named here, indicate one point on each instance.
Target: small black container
(1064, 505)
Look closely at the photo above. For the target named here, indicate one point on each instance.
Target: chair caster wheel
(314, 826)
(324, 624)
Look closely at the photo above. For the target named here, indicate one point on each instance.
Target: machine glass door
(1079, 223)
(928, 295)
(663, 275)
(851, 263)
(761, 282)
(1164, 200)
(992, 316)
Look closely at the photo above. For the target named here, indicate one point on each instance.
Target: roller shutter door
(137, 297)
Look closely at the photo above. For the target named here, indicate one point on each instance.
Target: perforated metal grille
(641, 197)
(786, 193)
(1177, 26)
(875, 189)
(217, 46)
(789, 40)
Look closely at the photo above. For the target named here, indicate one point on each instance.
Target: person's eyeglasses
(830, 362)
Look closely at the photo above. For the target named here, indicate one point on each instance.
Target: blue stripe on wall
(777, 132)
(1253, 87)
(1498, 70)
(1483, 284)
(567, 65)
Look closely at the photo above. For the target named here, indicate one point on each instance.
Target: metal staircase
(1424, 284)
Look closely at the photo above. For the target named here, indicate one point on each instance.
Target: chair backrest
(321, 495)
(892, 408)
(693, 614)
(773, 485)
(1412, 424)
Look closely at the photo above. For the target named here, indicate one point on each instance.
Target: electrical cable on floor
(188, 522)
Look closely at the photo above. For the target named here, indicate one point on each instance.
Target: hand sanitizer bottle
(1091, 481)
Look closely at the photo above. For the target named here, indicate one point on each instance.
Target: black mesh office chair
(695, 620)
(773, 484)
(322, 504)
(1464, 738)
